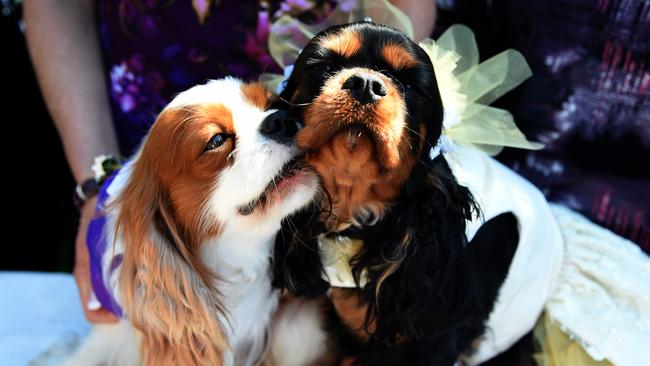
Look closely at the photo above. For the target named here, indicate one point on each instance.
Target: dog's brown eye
(216, 141)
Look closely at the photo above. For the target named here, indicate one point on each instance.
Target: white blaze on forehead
(226, 91)
(256, 159)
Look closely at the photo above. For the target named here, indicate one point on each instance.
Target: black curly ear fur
(296, 261)
(420, 279)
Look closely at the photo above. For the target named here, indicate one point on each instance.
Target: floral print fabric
(154, 49)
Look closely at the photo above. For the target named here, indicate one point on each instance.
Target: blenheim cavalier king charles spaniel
(371, 109)
(189, 232)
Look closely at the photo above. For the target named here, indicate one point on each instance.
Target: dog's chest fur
(357, 184)
(243, 267)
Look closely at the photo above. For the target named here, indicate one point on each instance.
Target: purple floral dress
(588, 100)
(154, 49)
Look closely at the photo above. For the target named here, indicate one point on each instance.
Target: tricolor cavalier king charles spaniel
(192, 226)
(371, 109)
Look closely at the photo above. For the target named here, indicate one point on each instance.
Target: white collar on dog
(336, 253)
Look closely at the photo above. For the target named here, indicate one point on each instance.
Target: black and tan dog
(371, 109)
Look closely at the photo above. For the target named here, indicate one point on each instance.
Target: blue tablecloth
(41, 318)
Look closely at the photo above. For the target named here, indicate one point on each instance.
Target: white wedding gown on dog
(593, 283)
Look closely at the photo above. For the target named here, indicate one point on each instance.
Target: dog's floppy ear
(297, 265)
(164, 286)
(417, 261)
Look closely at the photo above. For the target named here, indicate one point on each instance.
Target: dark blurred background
(39, 218)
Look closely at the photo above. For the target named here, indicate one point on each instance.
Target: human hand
(82, 268)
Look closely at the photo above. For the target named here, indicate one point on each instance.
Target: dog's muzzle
(365, 88)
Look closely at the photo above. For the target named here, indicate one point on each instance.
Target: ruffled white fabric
(603, 293)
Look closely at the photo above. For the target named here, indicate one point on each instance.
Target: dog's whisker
(294, 104)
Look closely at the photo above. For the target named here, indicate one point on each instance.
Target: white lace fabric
(602, 298)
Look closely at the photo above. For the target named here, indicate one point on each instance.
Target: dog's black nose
(279, 127)
(365, 88)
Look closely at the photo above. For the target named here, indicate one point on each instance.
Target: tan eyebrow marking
(345, 43)
(398, 57)
(257, 95)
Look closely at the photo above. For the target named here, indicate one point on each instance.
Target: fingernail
(93, 303)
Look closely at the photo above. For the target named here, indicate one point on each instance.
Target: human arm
(64, 46)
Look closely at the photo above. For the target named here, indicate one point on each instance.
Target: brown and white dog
(191, 221)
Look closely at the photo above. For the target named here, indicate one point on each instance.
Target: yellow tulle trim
(557, 349)
(467, 87)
